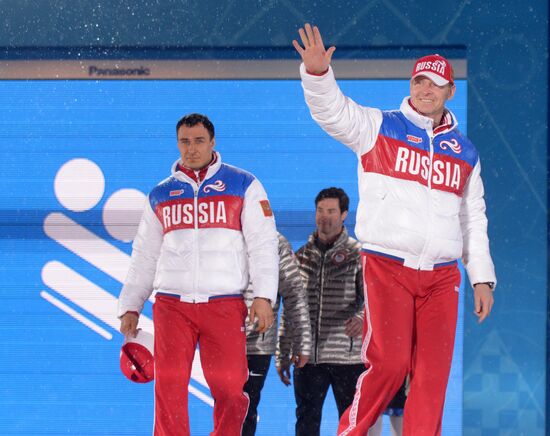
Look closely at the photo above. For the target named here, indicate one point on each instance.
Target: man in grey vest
(330, 265)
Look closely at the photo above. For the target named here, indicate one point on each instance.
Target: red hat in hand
(137, 359)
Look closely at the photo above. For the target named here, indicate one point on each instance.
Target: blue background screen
(77, 153)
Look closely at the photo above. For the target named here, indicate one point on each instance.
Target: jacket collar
(213, 168)
(449, 120)
(341, 240)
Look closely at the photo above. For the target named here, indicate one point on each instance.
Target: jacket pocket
(376, 205)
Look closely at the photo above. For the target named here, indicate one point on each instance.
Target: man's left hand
(261, 309)
(354, 326)
(483, 300)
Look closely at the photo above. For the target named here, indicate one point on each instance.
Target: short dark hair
(337, 193)
(191, 120)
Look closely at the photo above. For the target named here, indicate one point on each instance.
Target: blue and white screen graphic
(78, 159)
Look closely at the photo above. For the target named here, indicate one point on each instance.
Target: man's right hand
(128, 324)
(300, 360)
(283, 369)
(316, 59)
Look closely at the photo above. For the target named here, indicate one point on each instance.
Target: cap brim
(438, 80)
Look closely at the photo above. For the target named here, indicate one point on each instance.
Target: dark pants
(311, 385)
(258, 365)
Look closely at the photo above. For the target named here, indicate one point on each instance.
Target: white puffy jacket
(203, 240)
(420, 191)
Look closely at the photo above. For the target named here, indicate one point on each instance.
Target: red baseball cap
(436, 68)
(136, 358)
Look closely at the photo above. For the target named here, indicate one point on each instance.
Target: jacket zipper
(429, 231)
(196, 239)
(321, 286)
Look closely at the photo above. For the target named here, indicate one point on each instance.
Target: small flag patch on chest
(414, 139)
(176, 192)
(266, 208)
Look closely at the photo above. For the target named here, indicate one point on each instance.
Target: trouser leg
(343, 379)
(223, 358)
(311, 384)
(436, 315)
(258, 367)
(175, 343)
(387, 342)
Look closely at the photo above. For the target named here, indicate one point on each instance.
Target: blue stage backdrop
(78, 158)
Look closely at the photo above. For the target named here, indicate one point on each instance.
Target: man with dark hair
(205, 230)
(191, 120)
(330, 265)
(261, 346)
(338, 193)
(421, 208)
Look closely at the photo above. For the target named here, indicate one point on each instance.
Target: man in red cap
(421, 209)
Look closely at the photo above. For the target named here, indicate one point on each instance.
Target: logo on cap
(437, 67)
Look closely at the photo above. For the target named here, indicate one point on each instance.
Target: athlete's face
(195, 146)
(329, 219)
(429, 99)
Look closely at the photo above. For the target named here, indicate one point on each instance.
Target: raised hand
(316, 59)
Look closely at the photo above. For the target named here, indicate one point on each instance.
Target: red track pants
(218, 326)
(410, 321)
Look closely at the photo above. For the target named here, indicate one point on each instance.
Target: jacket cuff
(317, 74)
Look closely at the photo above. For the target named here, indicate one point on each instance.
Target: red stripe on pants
(410, 322)
(218, 327)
